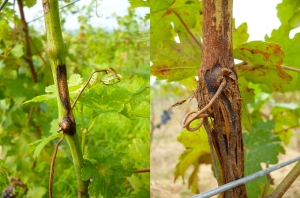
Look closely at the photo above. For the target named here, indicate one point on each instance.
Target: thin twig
(28, 58)
(286, 182)
(292, 127)
(3, 4)
(52, 165)
(142, 171)
(186, 124)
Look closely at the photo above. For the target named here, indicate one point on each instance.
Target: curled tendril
(199, 114)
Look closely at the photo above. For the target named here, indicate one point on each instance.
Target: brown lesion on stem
(67, 124)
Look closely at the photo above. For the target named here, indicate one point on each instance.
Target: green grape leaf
(261, 146)
(138, 106)
(29, 3)
(197, 152)
(107, 170)
(129, 98)
(246, 92)
(138, 150)
(142, 193)
(41, 98)
(173, 60)
(5, 32)
(17, 51)
(39, 144)
(74, 84)
(139, 3)
(264, 65)
(288, 13)
(240, 35)
(36, 192)
(284, 117)
(105, 99)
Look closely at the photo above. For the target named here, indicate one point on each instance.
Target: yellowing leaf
(197, 152)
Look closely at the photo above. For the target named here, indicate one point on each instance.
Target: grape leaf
(291, 49)
(74, 84)
(284, 117)
(39, 144)
(139, 3)
(107, 170)
(261, 146)
(288, 13)
(239, 35)
(171, 60)
(264, 60)
(138, 150)
(29, 3)
(4, 30)
(246, 92)
(142, 193)
(17, 51)
(129, 98)
(260, 53)
(197, 152)
(36, 192)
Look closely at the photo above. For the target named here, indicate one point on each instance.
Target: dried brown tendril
(199, 114)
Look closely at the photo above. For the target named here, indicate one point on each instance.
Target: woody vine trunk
(217, 72)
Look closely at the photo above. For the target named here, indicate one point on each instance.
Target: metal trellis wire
(244, 180)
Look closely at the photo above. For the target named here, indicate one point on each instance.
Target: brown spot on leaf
(168, 13)
(163, 70)
(186, 13)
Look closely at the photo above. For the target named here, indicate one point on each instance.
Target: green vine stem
(57, 56)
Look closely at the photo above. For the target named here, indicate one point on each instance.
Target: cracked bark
(224, 130)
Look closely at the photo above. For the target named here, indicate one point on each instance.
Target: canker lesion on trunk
(219, 95)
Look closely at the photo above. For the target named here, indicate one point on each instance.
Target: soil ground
(165, 150)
